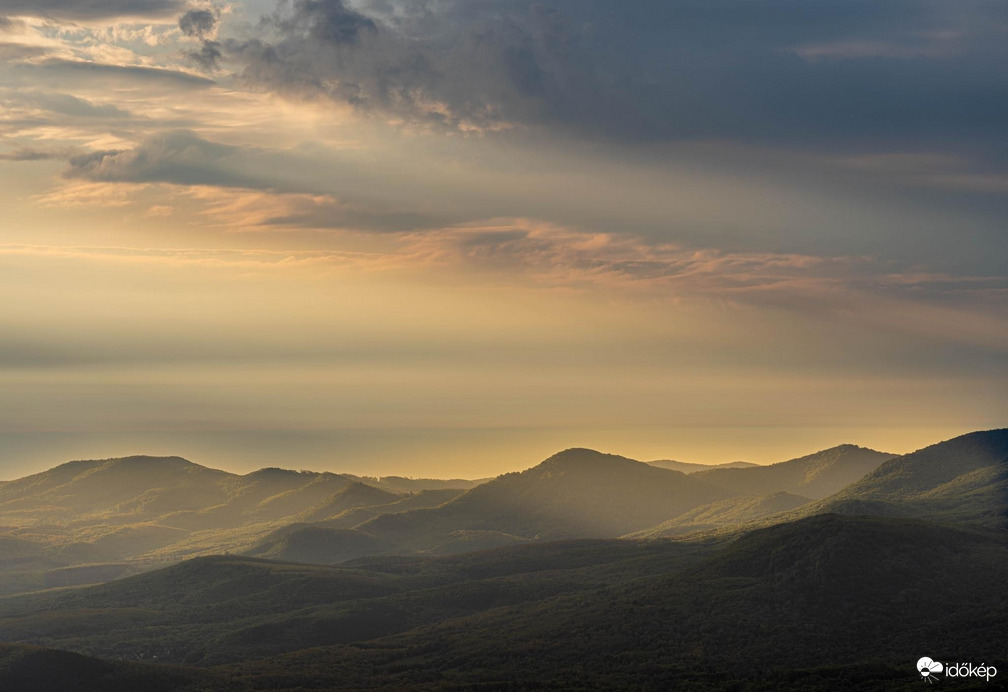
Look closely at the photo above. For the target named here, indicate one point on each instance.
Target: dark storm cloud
(201, 24)
(325, 21)
(198, 23)
(775, 70)
(83, 10)
(207, 57)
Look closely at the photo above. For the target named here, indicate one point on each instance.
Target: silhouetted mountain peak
(150, 459)
(132, 461)
(848, 447)
(840, 454)
(581, 459)
(274, 472)
(367, 493)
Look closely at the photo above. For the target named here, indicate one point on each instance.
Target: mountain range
(87, 521)
(588, 570)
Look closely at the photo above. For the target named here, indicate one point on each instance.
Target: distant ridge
(574, 493)
(423, 499)
(141, 511)
(687, 467)
(402, 484)
(814, 475)
(147, 510)
(964, 479)
(354, 495)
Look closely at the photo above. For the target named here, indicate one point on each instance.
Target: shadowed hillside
(89, 521)
(164, 509)
(420, 500)
(316, 544)
(115, 490)
(576, 493)
(811, 604)
(65, 531)
(822, 602)
(34, 669)
(815, 475)
(964, 479)
(734, 511)
(350, 497)
(221, 609)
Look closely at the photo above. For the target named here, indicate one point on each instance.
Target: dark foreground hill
(34, 669)
(227, 609)
(826, 602)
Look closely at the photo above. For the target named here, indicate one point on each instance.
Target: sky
(451, 237)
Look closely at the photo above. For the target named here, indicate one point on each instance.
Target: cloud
(69, 105)
(556, 255)
(250, 210)
(202, 24)
(148, 76)
(242, 259)
(198, 23)
(242, 188)
(34, 154)
(207, 57)
(899, 71)
(84, 10)
(178, 157)
(15, 52)
(326, 21)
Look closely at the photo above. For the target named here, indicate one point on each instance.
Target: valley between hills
(585, 571)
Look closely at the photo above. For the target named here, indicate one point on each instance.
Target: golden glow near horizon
(207, 253)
